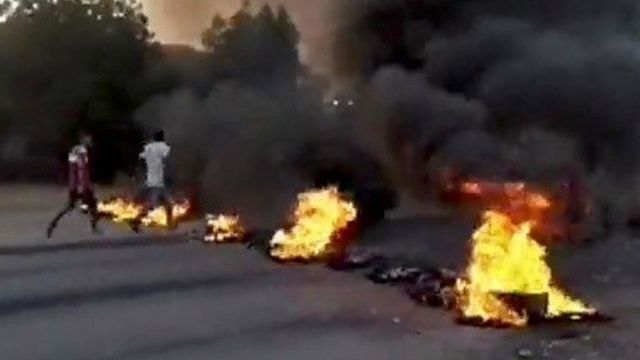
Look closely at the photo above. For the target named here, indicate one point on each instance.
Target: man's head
(85, 138)
(158, 136)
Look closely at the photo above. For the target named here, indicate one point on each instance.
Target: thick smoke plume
(248, 123)
(514, 88)
(251, 151)
(235, 145)
(531, 90)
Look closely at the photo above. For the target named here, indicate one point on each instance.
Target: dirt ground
(118, 296)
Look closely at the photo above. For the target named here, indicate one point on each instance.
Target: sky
(182, 22)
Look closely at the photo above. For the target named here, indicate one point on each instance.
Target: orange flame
(223, 228)
(318, 219)
(120, 210)
(506, 259)
(123, 211)
(157, 217)
(508, 197)
(521, 203)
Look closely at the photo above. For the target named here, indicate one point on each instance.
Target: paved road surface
(162, 299)
(114, 297)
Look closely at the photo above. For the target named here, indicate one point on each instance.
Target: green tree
(288, 37)
(212, 37)
(286, 28)
(242, 17)
(255, 48)
(266, 17)
(69, 64)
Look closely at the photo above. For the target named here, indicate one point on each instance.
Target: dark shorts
(86, 197)
(154, 196)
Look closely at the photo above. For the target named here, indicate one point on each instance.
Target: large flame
(223, 228)
(124, 211)
(318, 219)
(506, 259)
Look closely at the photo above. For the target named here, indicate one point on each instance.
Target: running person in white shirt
(155, 192)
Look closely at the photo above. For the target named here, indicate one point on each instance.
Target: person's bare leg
(141, 197)
(168, 208)
(137, 222)
(167, 204)
(94, 214)
(71, 204)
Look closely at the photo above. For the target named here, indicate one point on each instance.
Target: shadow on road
(295, 328)
(94, 245)
(9, 307)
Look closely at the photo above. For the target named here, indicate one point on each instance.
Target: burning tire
(353, 172)
(373, 204)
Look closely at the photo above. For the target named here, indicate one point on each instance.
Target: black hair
(158, 136)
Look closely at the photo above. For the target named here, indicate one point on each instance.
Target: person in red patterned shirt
(80, 185)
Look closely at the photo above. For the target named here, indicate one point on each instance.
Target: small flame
(506, 259)
(123, 211)
(508, 196)
(318, 219)
(471, 188)
(520, 202)
(120, 210)
(157, 217)
(223, 228)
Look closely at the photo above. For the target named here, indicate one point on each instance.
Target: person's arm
(72, 164)
(164, 152)
(165, 162)
(139, 166)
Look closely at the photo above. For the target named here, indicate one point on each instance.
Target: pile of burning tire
(507, 282)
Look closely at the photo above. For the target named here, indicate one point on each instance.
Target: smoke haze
(565, 66)
(182, 21)
(493, 88)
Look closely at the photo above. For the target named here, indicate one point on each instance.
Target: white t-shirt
(154, 155)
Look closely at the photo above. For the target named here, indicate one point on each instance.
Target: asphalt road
(117, 297)
(166, 299)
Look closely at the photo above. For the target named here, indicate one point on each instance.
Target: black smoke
(68, 65)
(247, 122)
(529, 87)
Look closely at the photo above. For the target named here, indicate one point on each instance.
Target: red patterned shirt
(79, 175)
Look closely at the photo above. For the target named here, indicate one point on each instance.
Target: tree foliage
(254, 47)
(68, 64)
